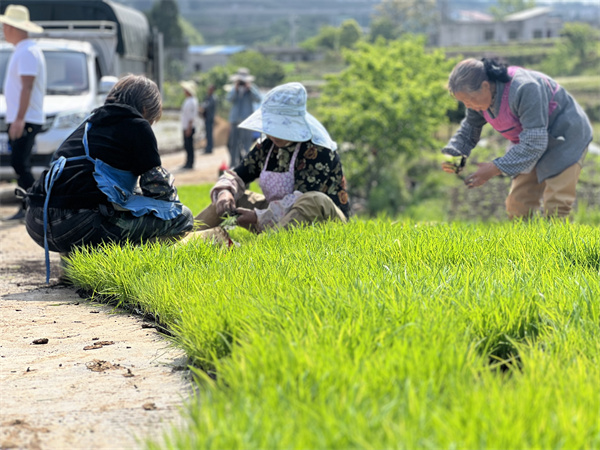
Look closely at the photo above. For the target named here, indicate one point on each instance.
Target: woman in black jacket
(106, 182)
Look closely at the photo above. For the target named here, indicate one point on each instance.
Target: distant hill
(287, 22)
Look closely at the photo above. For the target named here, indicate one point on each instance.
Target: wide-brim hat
(18, 16)
(283, 115)
(242, 74)
(189, 86)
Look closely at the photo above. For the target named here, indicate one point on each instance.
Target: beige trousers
(555, 195)
(310, 207)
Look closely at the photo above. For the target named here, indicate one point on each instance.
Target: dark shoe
(186, 167)
(20, 215)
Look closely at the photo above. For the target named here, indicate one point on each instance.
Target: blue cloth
(118, 185)
(243, 102)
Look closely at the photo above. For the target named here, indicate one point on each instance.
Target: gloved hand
(225, 203)
(247, 218)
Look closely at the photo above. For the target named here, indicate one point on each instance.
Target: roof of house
(527, 14)
(472, 16)
(215, 49)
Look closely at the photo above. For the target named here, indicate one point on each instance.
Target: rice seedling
(377, 334)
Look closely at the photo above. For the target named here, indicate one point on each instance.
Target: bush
(385, 108)
(577, 48)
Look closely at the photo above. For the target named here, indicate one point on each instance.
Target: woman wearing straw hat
(296, 164)
(189, 112)
(24, 88)
(243, 95)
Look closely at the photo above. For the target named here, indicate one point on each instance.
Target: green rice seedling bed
(377, 334)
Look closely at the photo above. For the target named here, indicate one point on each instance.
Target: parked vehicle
(88, 45)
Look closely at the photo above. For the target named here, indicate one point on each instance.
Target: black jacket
(120, 137)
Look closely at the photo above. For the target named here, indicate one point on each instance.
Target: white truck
(84, 58)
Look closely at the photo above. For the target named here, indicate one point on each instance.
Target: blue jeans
(240, 141)
(208, 126)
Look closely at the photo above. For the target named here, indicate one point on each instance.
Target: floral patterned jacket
(317, 169)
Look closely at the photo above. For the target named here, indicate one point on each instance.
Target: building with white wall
(534, 23)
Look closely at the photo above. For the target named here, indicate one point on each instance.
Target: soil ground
(79, 375)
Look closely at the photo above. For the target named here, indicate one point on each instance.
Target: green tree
(384, 110)
(268, 73)
(383, 27)
(506, 7)
(350, 33)
(577, 53)
(328, 38)
(164, 15)
(393, 18)
(581, 39)
(191, 34)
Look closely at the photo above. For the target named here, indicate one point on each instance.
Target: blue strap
(55, 171)
(85, 141)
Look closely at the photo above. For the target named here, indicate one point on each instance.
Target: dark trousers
(188, 144)
(240, 141)
(20, 158)
(208, 125)
(68, 229)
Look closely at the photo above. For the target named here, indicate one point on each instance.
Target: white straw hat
(283, 115)
(18, 16)
(189, 86)
(242, 74)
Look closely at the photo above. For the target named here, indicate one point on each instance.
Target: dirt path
(99, 378)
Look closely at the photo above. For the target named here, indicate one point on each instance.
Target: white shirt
(189, 112)
(27, 59)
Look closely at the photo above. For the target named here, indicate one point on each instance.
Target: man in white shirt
(189, 112)
(24, 89)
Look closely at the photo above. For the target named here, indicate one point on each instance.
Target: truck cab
(74, 88)
(88, 45)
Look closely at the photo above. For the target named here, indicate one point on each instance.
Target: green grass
(538, 48)
(195, 197)
(576, 84)
(377, 334)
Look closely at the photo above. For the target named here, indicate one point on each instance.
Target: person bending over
(548, 132)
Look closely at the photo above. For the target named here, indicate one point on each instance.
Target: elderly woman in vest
(106, 182)
(548, 132)
(296, 165)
